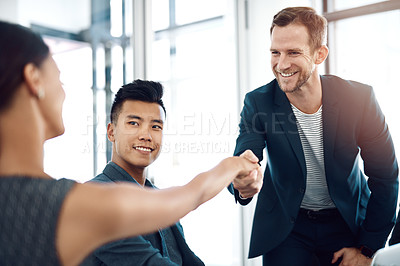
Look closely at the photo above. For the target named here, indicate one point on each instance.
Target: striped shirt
(309, 126)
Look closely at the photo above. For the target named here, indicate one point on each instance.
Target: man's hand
(249, 185)
(351, 257)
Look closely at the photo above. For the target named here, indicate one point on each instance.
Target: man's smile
(287, 74)
(141, 148)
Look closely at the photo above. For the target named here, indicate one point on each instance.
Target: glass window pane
(161, 62)
(188, 11)
(129, 67)
(204, 53)
(116, 18)
(346, 4)
(197, 66)
(101, 131)
(117, 72)
(71, 154)
(160, 14)
(367, 49)
(129, 18)
(100, 66)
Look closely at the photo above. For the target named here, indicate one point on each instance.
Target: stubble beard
(304, 77)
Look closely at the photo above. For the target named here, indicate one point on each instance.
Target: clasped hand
(249, 185)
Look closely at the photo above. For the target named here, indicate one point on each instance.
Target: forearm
(216, 179)
(162, 208)
(149, 210)
(94, 214)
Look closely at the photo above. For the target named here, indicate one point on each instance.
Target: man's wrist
(241, 197)
(366, 251)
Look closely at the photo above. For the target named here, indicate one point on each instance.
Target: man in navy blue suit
(315, 200)
(395, 238)
(136, 132)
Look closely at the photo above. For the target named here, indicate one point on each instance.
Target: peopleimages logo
(179, 146)
(217, 124)
(198, 147)
(209, 124)
(202, 132)
(202, 124)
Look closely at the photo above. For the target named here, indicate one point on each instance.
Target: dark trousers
(313, 240)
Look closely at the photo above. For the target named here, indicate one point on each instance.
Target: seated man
(136, 132)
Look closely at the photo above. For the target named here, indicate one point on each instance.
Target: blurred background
(207, 54)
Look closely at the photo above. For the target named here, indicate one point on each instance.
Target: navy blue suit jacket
(395, 239)
(148, 249)
(353, 125)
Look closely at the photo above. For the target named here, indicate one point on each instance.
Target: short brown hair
(316, 25)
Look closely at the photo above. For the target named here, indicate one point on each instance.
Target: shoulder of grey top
(388, 256)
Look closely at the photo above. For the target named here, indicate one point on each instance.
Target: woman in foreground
(51, 222)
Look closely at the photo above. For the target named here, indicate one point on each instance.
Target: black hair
(138, 90)
(19, 46)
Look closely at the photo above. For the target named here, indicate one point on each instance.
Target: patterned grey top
(29, 210)
(310, 130)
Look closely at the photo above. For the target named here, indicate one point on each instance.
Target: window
(346, 4)
(71, 154)
(193, 55)
(367, 49)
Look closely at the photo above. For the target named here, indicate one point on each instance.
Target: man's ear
(110, 132)
(32, 79)
(322, 54)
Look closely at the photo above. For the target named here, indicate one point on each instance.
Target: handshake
(250, 184)
(242, 171)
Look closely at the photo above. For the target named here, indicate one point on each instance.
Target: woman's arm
(94, 214)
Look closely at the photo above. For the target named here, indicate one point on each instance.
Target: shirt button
(292, 220)
(301, 190)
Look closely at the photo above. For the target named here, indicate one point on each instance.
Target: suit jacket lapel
(330, 114)
(287, 120)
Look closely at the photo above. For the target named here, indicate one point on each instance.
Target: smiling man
(315, 201)
(136, 132)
